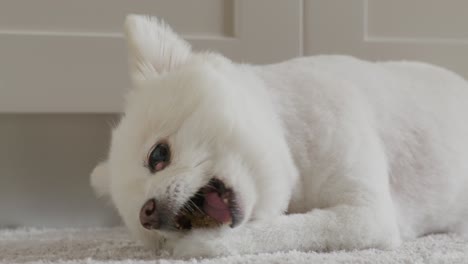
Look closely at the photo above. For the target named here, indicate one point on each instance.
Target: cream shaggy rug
(114, 245)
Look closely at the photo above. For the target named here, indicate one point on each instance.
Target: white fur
(324, 153)
(100, 179)
(149, 55)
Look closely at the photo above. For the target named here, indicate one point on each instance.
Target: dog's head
(199, 138)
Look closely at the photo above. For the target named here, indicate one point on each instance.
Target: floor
(114, 245)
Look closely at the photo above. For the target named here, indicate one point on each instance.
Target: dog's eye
(159, 157)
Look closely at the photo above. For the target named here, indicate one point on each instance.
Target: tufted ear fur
(153, 47)
(100, 179)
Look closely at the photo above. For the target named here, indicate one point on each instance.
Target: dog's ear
(100, 179)
(153, 47)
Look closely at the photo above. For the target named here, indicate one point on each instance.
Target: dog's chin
(213, 205)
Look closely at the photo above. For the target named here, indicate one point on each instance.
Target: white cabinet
(427, 30)
(69, 56)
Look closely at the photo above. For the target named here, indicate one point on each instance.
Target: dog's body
(411, 113)
(357, 154)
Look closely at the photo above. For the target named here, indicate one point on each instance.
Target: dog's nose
(149, 215)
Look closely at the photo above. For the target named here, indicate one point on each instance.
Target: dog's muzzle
(212, 205)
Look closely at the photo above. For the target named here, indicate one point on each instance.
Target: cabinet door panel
(69, 56)
(425, 30)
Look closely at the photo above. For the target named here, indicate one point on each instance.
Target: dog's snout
(149, 218)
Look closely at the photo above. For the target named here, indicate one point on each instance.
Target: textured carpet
(115, 246)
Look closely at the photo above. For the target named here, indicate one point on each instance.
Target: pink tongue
(216, 208)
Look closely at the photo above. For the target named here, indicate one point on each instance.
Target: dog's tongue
(216, 208)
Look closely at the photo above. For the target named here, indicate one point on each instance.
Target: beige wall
(45, 161)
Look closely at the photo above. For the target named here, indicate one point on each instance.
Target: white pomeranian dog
(320, 153)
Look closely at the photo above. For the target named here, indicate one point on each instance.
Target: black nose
(149, 215)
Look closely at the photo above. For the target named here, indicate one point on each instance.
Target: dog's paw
(201, 245)
(194, 249)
